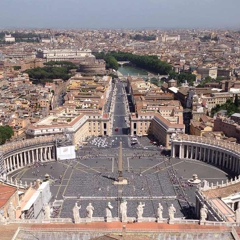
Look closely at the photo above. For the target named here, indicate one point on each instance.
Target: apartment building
(80, 125)
(228, 126)
(156, 112)
(164, 128)
(65, 54)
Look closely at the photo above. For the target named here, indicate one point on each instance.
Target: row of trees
(208, 79)
(21, 37)
(231, 107)
(6, 132)
(140, 37)
(149, 63)
(182, 77)
(52, 70)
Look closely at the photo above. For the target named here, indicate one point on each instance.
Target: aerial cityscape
(115, 125)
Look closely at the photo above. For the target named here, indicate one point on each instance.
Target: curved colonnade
(222, 154)
(24, 153)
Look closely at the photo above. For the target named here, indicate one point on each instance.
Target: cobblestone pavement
(152, 179)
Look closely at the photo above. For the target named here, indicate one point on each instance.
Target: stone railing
(216, 214)
(38, 221)
(26, 143)
(101, 219)
(207, 186)
(15, 183)
(223, 143)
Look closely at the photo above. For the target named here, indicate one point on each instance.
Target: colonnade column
(49, 153)
(21, 159)
(187, 150)
(18, 162)
(173, 150)
(41, 154)
(180, 151)
(33, 155)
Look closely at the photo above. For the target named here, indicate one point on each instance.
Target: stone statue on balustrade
(23, 215)
(90, 210)
(159, 212)
(171, 213)
(237, 214)
(109, 208)
(11, 212)
(205, 185)
(47, 212)
(123, 211)
(203, 213)
(76, 215)
(140, 210)
(2, 218)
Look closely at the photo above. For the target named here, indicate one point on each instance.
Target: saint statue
(47, 212)
(237, 214)
(203, 213)
(171, 212)
(90, 210)
(160, 211)
(123, 211)
(2, 218)
(11, 212)
(140, 209)
(76, 215)
(109, 210)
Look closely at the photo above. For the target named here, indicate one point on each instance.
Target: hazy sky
(119, 13)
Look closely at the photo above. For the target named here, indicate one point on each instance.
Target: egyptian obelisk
(120, 180)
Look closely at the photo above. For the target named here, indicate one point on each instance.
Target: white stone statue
(237, 214)
(160, 211)
(76, 215)
(47, 212)
(109, 208)
(90, 210)
(203, 213)
(123, 211)
(11, 212)
(171, 212)
(2, 218)
(23, 215)
(140, 209)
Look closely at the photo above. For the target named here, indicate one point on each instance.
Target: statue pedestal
(201, 222)
(88, 220)
(124, 220)
(159, 220)
(108, 219)
(170, 221)
(121, 182)
(139, 219)
(77, 221)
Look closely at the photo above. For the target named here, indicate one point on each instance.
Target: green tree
(6, 132)
(236, 101)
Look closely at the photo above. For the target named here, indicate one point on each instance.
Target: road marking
(62, 178)
(23, 172)
(154, 166)
(205, 164)
(87, 166)
(168, 166)
(113, 164)
(67, 186)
